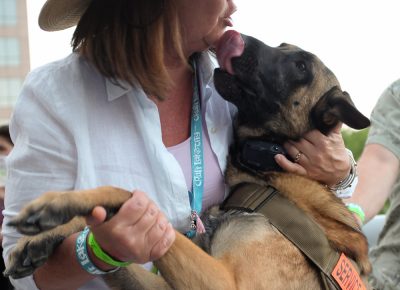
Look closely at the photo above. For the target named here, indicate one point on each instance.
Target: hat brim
(62, 14)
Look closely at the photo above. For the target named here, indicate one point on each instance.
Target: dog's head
(281, 93)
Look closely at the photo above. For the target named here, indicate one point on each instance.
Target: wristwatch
(348, 181)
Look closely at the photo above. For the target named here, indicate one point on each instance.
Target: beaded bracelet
(103, 256)
(83, 257)
(357, 210)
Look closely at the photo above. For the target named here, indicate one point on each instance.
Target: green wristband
(103, 256)
(356, 209)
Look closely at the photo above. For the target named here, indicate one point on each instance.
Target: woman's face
(204, 21)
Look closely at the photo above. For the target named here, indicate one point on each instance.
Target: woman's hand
(138, 233)
(318, 156)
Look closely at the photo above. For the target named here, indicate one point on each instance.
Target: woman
(118, 112)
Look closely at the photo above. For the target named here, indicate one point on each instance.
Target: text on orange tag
(346, 275)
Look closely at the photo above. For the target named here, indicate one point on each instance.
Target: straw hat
(61, 14)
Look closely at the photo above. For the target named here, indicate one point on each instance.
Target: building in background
(14, 53)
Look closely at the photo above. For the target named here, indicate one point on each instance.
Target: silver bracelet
(348, 181)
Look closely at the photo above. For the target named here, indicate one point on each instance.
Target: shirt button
(213, 130)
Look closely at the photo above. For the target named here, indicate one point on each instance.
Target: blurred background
(14, 53)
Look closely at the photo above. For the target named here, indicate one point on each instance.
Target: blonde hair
(126, 41)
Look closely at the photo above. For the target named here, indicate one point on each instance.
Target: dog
(280, 93)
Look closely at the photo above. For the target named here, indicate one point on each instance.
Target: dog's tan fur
(245, 252)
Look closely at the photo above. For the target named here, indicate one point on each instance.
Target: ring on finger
(297, 157)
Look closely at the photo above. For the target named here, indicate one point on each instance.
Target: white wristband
(83, 256)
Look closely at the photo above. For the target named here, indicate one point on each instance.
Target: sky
(357, 39)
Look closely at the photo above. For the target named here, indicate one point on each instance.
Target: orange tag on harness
(346, 275)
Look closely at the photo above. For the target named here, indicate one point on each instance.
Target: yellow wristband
(103, 256)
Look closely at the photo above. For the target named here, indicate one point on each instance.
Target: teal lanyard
(196, 150)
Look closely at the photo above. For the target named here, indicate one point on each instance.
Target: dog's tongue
(230, 45)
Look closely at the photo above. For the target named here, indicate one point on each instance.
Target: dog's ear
(334, 106)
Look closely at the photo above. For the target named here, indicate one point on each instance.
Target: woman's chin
(211, 40)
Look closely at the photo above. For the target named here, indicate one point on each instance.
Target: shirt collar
(206, 67)
(118, 88)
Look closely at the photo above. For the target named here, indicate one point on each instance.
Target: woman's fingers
(163, 242)
(289, 166)
(147, 220)
(133, 209)
(298, 151)
(323, 157)
(139, 232)
(98, 216)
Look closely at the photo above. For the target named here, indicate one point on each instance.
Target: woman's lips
(230, 45)
(228, 22)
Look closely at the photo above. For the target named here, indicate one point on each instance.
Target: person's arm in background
(378, 166)
(377, 169)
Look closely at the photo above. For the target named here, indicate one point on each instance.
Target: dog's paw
(29, 254)
(47, 212)
(56, 208)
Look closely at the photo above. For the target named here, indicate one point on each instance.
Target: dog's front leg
(135, 277)
(33, 251)
(56, 208)
(186, 266)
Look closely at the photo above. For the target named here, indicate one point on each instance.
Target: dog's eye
(301, 66)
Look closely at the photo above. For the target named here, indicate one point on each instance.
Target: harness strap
(291, 221)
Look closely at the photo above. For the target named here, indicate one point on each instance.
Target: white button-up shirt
(75, 129)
